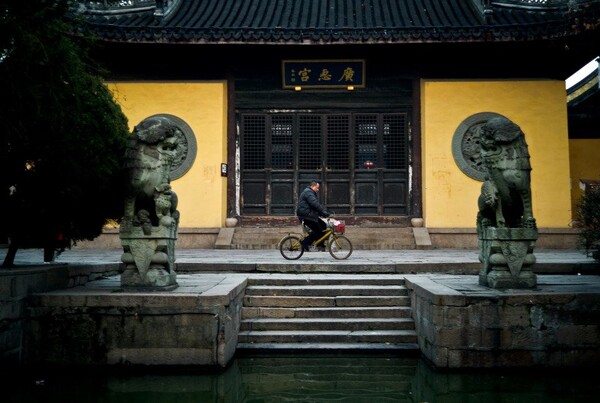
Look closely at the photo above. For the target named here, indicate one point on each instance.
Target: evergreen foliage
(62, 133)
(589, 219)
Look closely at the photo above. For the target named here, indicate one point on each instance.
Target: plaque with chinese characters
(323, 73)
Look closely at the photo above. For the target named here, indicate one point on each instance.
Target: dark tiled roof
(343, 21)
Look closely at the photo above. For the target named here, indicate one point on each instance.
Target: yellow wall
(585, 164)
(538, 107)
(449, 196)
(202, 192)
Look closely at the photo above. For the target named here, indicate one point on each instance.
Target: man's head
(314, 185)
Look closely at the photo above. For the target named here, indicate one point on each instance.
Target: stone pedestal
(507, 257)
(149, 258)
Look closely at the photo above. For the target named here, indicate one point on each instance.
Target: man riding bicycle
(309, 210)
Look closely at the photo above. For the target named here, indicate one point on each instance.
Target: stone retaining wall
(44, 318)
(47, 316)
(133, 328)
(463, 325)
(17, 284)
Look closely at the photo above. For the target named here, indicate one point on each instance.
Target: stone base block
(507, 257)
(149, 258)
(158, 279)
(504, 279)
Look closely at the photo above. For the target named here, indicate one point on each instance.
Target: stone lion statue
(505, 200)
(148, 159)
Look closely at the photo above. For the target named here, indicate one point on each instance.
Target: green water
(306, 378)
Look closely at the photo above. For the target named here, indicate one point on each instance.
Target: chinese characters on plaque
(323, 73)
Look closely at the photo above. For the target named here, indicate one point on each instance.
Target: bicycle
(337, 244)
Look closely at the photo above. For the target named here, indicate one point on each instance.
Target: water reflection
(327, 378)
(310, 378)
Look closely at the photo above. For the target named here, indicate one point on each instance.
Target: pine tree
(62, 133)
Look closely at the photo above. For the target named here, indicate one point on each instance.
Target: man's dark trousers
(317, 228)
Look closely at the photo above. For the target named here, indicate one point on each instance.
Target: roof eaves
(331, 35)
(583, 90)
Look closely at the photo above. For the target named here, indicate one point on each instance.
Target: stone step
(327, 290)
(329, 280)
(375, 245)
(345, 310)
(313, 386)
(334, 347)
(328, 336)
(353, 324)
(336, 312)
(373, 367)
(366, 238)
(255, 234)
(337, 301)
(350, 229)
(365, 246)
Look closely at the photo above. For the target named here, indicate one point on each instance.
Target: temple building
(380, 100)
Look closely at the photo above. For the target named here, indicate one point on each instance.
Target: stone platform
(74, 311)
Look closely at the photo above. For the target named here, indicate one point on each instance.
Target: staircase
(361, 237)
(330, 313)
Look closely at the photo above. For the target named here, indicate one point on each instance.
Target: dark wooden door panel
(360, 158)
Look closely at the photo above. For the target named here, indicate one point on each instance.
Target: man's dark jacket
(309, 206)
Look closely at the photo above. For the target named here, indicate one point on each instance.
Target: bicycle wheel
(340, 247)
(290, 247)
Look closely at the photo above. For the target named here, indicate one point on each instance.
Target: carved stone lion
(505, 200)
(148, 159)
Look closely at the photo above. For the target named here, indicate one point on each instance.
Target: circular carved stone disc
(186, 148)
(465, 145)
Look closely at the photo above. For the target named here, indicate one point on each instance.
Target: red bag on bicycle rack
(339, 227)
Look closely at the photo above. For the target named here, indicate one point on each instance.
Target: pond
(306, 378)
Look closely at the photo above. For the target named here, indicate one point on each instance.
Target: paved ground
(272, 256)
(212, 269)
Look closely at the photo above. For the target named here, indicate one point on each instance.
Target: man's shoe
(321, 248)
